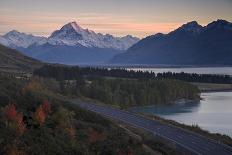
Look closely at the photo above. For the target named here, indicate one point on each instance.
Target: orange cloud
(104, 23)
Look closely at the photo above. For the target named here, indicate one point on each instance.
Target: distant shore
(212, 87)
(147, 65)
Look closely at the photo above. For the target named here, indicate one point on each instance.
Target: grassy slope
(12, 60)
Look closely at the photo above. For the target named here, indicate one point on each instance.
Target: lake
(214, 113)
(199, 70)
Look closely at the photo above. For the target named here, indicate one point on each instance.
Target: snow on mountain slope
(72, 34)
(18, 39)
(4, 41)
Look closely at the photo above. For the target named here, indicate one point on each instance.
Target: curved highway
(194, 143)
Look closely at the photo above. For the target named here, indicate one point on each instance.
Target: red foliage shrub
(10, 112)
(46, 107)
(40, 115)
(14, 119)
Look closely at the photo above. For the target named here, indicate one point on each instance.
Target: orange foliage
(20, 124)
(40, 115)
(12, 116)
(10, 112)
(95, 136)
(46, 107)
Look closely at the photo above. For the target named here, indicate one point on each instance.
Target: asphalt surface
(195, 143)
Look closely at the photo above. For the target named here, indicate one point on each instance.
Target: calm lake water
(214, 113)
(199, 70)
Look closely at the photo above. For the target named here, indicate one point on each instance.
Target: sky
(118, 17)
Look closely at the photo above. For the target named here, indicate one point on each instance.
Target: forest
(99, 84)
(61, 72)
(126, 93)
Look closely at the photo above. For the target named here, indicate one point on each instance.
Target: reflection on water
(214, 113)
(168, 110)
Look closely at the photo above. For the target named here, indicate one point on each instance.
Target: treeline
(202, 78)
(130, 92)
(71, 73)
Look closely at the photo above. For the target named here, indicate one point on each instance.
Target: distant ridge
(191, 44)
(13, 60)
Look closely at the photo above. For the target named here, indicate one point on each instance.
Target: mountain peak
(72, 25)
(220, 24)
(72, 34)
(192, 26)
(13, 32)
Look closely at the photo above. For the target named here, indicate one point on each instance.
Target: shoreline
(212, 87)
(217, 91)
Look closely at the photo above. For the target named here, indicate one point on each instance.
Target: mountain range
(70, 45)
(190, 44)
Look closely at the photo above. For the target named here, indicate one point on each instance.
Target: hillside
(14, 61)
(191, 44)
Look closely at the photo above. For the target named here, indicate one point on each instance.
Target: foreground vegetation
(34, 122)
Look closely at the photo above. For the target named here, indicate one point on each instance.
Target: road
(194, 143)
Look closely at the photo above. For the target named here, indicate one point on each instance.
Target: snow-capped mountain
(15, 39)
(71, 44)
(72, 34)
(4, 41)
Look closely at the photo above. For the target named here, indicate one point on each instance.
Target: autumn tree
(10, 112)
(40, 115)
(14, 120)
